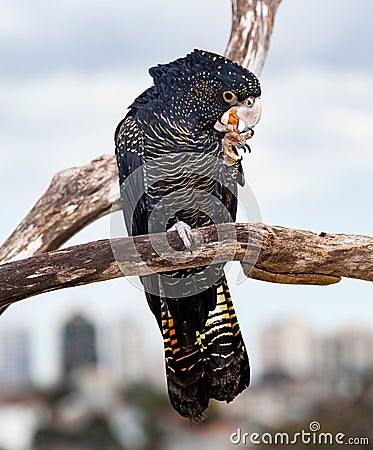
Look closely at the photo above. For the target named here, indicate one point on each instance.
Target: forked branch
(78, 196)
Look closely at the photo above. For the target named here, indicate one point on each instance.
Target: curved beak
(249, 115)
(242, 117)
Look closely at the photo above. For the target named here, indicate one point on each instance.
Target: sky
(70, 69)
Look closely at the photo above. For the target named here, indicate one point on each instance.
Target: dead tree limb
(279, 254)
(252, 25)
(80, 195)
(74, 198)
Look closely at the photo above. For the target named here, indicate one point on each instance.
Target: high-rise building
(15, 356)
(134, 361)
(79, 344)
(350, 350)
(288, 347)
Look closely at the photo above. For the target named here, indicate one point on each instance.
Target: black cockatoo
(177, 155)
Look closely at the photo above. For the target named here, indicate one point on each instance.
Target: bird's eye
(229, 96)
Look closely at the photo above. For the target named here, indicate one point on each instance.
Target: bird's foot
(232, 142)
(185, 233)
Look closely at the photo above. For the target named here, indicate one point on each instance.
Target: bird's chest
(182, 183)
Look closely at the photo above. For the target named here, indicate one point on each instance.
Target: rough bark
(279, 254)
(74, 198)
(252, 25)
(78, 196)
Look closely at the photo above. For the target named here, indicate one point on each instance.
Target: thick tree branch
(280, 255)
(80, 195)
(74, 198)
(252, 25)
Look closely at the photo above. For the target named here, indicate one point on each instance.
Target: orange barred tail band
(212, 363)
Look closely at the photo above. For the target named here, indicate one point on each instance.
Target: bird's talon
(185, 233)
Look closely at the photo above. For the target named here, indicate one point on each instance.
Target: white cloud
(13, 22)
(316, 130)
(44, 37)
(54, 123)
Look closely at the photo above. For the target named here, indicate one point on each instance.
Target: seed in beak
(234, 121)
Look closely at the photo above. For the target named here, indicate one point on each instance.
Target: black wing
(129, 150)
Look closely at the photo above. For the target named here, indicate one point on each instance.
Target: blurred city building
(291, 348)
(79, 344)
(132, 352)
(15, 356)
(288, 347)
(113, 390)
(348, 350)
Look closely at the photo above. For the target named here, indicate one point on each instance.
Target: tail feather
(227, 362)
(212, 365)
(187, 384)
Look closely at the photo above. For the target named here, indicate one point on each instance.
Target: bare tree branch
(74, 198)
(281, 255)
(252, 25)
(80, 195)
